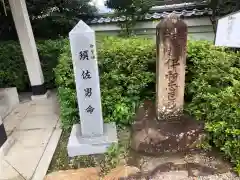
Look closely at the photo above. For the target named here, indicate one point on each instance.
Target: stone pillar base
(154, 137)
(8, 100)
(79, 145)
(40, 97)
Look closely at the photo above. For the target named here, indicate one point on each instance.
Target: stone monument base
(40, 97)
(154, 137)
(79, 145)
(8, 101)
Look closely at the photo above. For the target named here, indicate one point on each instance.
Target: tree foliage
(49, 18)
(132, 10)
(223, 7)
(13, 72)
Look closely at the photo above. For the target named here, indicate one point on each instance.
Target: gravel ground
(179, 176)
(187, 166)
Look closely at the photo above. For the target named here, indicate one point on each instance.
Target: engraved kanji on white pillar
(84, 55)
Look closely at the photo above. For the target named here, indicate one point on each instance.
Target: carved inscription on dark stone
(171, 60)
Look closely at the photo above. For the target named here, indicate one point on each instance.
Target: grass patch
(116, 155)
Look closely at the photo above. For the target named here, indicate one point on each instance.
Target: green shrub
(213, 86)
(13, 71)
(12, 67)
(125, 76)
(49, 51)
(125, 79)
(66, 89)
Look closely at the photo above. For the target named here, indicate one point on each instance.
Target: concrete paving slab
(33, 138)
(47, 156)
(41, 109)
(38, 122)
(35, 128)
(15, 117)
(7, 172)
(21, 110)
(11, 122)
(23, 159)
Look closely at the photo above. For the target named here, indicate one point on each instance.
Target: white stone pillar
(28, 45)
(91, 136)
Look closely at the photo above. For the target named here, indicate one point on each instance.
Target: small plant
(115, 156)
(132, 10)
(205, 145)
(237, 168)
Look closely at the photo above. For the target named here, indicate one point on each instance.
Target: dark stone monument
(171, 61)
(162, 127)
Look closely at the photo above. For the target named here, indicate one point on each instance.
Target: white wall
(198, 28)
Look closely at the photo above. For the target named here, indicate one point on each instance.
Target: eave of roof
(155, 16)
(180, 6)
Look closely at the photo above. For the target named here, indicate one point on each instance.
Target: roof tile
(156, 15)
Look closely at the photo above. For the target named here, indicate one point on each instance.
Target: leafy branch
(132, 10)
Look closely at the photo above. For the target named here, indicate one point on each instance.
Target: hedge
(13, 71)
(127, 76)
(213, 92)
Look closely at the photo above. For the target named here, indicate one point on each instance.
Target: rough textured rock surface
(121, 173)
(85, 174)
(194, 165)
(154, 136)
(181, 175)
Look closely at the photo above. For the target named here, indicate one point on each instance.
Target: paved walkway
(34, 127)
